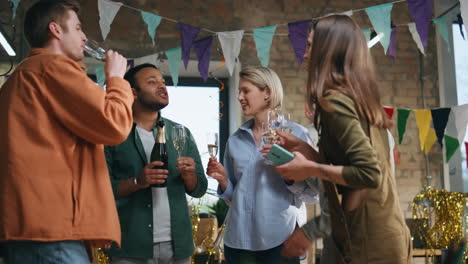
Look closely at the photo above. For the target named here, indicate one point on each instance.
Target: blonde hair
(265, 78)
(340, 61)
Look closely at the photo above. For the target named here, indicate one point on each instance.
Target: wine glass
(212, 141)
(275, 119)
(285, 122)
(178, 138)
(93, 49)
(267, 138)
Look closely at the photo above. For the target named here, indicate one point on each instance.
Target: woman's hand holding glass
(294, 144)
(216, 171)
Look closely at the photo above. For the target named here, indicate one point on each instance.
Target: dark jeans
(32, 252)
(269, 256)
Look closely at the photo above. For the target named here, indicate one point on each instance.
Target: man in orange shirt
(55, 193)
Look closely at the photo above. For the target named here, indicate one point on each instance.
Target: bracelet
(135, 182)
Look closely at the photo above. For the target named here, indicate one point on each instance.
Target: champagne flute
(93, 49)
(285, 126)
(178, 138)
(212, 140)
(274, 122)
(266, 139)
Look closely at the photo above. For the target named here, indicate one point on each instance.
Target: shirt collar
(247, 126)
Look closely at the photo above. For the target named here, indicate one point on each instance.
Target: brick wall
(400, 80)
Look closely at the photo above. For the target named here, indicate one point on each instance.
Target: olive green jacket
(377, 229)
(126, 160)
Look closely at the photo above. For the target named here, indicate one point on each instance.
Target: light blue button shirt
(263, 209)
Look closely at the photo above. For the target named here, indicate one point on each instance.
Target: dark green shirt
(127, 160)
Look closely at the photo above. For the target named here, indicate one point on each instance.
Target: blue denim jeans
(32, 252)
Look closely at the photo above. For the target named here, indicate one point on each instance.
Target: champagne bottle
(159, 152)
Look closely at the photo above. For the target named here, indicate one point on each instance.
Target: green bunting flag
(402, 118)
(451, 145)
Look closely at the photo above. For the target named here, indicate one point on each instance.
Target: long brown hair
(339, 60)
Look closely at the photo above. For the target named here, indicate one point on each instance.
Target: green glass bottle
(159, 152)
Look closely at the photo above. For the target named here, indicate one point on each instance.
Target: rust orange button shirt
(54, 120)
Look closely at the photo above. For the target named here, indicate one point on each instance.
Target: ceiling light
(6, 46)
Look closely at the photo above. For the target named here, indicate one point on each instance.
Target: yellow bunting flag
(423, 120)
(431, 138)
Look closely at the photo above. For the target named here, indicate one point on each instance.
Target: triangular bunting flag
(442, 26)
(423, 121)
(380, 19)
(152, 21)
(15, 6)
(389, 111)
(230, 44)
(107, 11)
(100, 75)
(402, 119)
(151, 59)
(464, 11)
(392, 45)
(430, 140)
(466, 153)
(174, 56)
(460, 25)
(460, 113)
(367, 34)
(298, 37)
(451, 145)
(203, 51)
(263, 38)
(415, 35)
(439, 118)
(421, 12)
(188, 34)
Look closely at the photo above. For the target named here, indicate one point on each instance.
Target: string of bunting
(230, 41)
(454, 117)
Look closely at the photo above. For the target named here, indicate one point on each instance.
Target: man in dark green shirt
(155, 222)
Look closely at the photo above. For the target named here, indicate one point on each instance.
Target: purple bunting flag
(187, 35)
(439, 118)
(298, 37)
(203, 51)
(421, 12)
(393, 44)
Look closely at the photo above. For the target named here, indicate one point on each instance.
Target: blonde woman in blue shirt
(264, 210)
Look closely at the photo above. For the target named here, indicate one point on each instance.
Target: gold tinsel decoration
(441, 218)
(99, 257)
(195, 223)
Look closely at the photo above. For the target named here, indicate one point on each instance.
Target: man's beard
(155, 106)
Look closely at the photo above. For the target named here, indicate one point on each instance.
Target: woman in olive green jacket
(354, 155)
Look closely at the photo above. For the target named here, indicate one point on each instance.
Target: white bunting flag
(152, 59)
(107, 11)
(460, 113)
(416, 38)
(230, 44)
